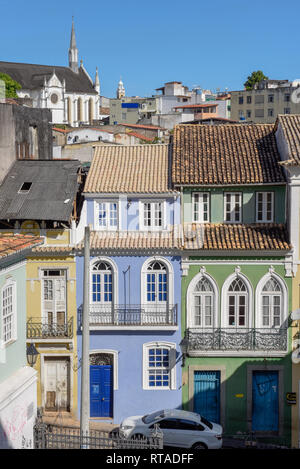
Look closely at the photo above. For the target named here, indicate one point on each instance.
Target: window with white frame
(159, 366)
(9, 318)
(201, 207)
(203, 303)
(107, 215)
(271, 303)
(152, 215)
(264, 206)
(102, 287)
(238, 297)
(233, 207)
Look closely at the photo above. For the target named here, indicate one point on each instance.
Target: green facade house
(18, 396)
(236, 278)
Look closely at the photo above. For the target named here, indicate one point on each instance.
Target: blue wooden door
(207, 394)
(101, 391)
(265, 402)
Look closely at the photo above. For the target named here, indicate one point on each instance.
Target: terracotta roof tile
(124, 240)
(129, 169)
(12, 243)
(225, 154)
(290, 124)
(270, 237)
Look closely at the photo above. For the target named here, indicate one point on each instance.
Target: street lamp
(31, 354)
(184, 345)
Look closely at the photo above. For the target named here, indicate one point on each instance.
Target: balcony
(38, 329)
(131, 316)
(233, 341)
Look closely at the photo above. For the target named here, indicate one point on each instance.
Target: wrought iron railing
(237, 339)
(39, 329)
(131, 315)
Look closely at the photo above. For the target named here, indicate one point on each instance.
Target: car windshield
(150, 417)
(206, 422)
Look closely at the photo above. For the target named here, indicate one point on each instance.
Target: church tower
(73, 51)
(120, 90)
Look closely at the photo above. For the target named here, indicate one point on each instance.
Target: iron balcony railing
(237, 339)
(39, 329)
(131, 315)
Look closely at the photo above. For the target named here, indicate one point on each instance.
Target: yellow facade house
(43, 199)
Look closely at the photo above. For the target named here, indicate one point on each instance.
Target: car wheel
(197, 446)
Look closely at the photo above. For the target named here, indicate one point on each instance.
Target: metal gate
(58, 437)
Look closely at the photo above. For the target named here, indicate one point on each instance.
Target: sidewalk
(64, 419)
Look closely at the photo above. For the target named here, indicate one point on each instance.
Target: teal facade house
(236, 278)
(17, 380)
(135, 282)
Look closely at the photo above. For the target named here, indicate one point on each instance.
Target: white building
(69, 92)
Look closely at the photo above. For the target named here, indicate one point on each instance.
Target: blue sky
(211, 43)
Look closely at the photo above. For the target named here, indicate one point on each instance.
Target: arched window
(157, 283)
(271, 303)
(203, 310)
(102, 288)
(238, 299)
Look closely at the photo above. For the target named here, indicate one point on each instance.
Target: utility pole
(85, 369)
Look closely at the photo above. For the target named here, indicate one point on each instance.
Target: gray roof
(51, 195)
(31, 76)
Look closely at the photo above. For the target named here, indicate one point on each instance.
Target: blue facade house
(135, 282)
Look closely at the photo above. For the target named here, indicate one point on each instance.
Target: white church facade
(69, 92)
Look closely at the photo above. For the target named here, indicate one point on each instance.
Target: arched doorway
(101, 385)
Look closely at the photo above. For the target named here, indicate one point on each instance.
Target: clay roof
(129, 169)
(290, 124)
(12, 243)
(226, 155)
(142, 126)
(142, 240)
(140, 136)
(257, 237)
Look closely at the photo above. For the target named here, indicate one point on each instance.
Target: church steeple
(73, 51)
(120, 90)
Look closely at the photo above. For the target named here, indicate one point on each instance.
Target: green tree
(255, 77)
(11, 86)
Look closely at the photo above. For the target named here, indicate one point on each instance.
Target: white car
(180, 428)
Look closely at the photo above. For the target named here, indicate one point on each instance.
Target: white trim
(115, 289)
(225, 305)
(190, 301)
(258, 296)
(134, 328)
(10, 282)
(96, 214)
(115, 355)
(171, 346)
(200, 195)
(163, 226)
(241, 353)
(264, 204)
(170, 279)
(12, 268)
(232, 213)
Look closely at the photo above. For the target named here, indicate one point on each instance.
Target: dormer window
(233, 207)
(152, 215)
(106, 215)
(264, 207)
(25, 187)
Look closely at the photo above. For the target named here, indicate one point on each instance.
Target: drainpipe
(85, 370)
